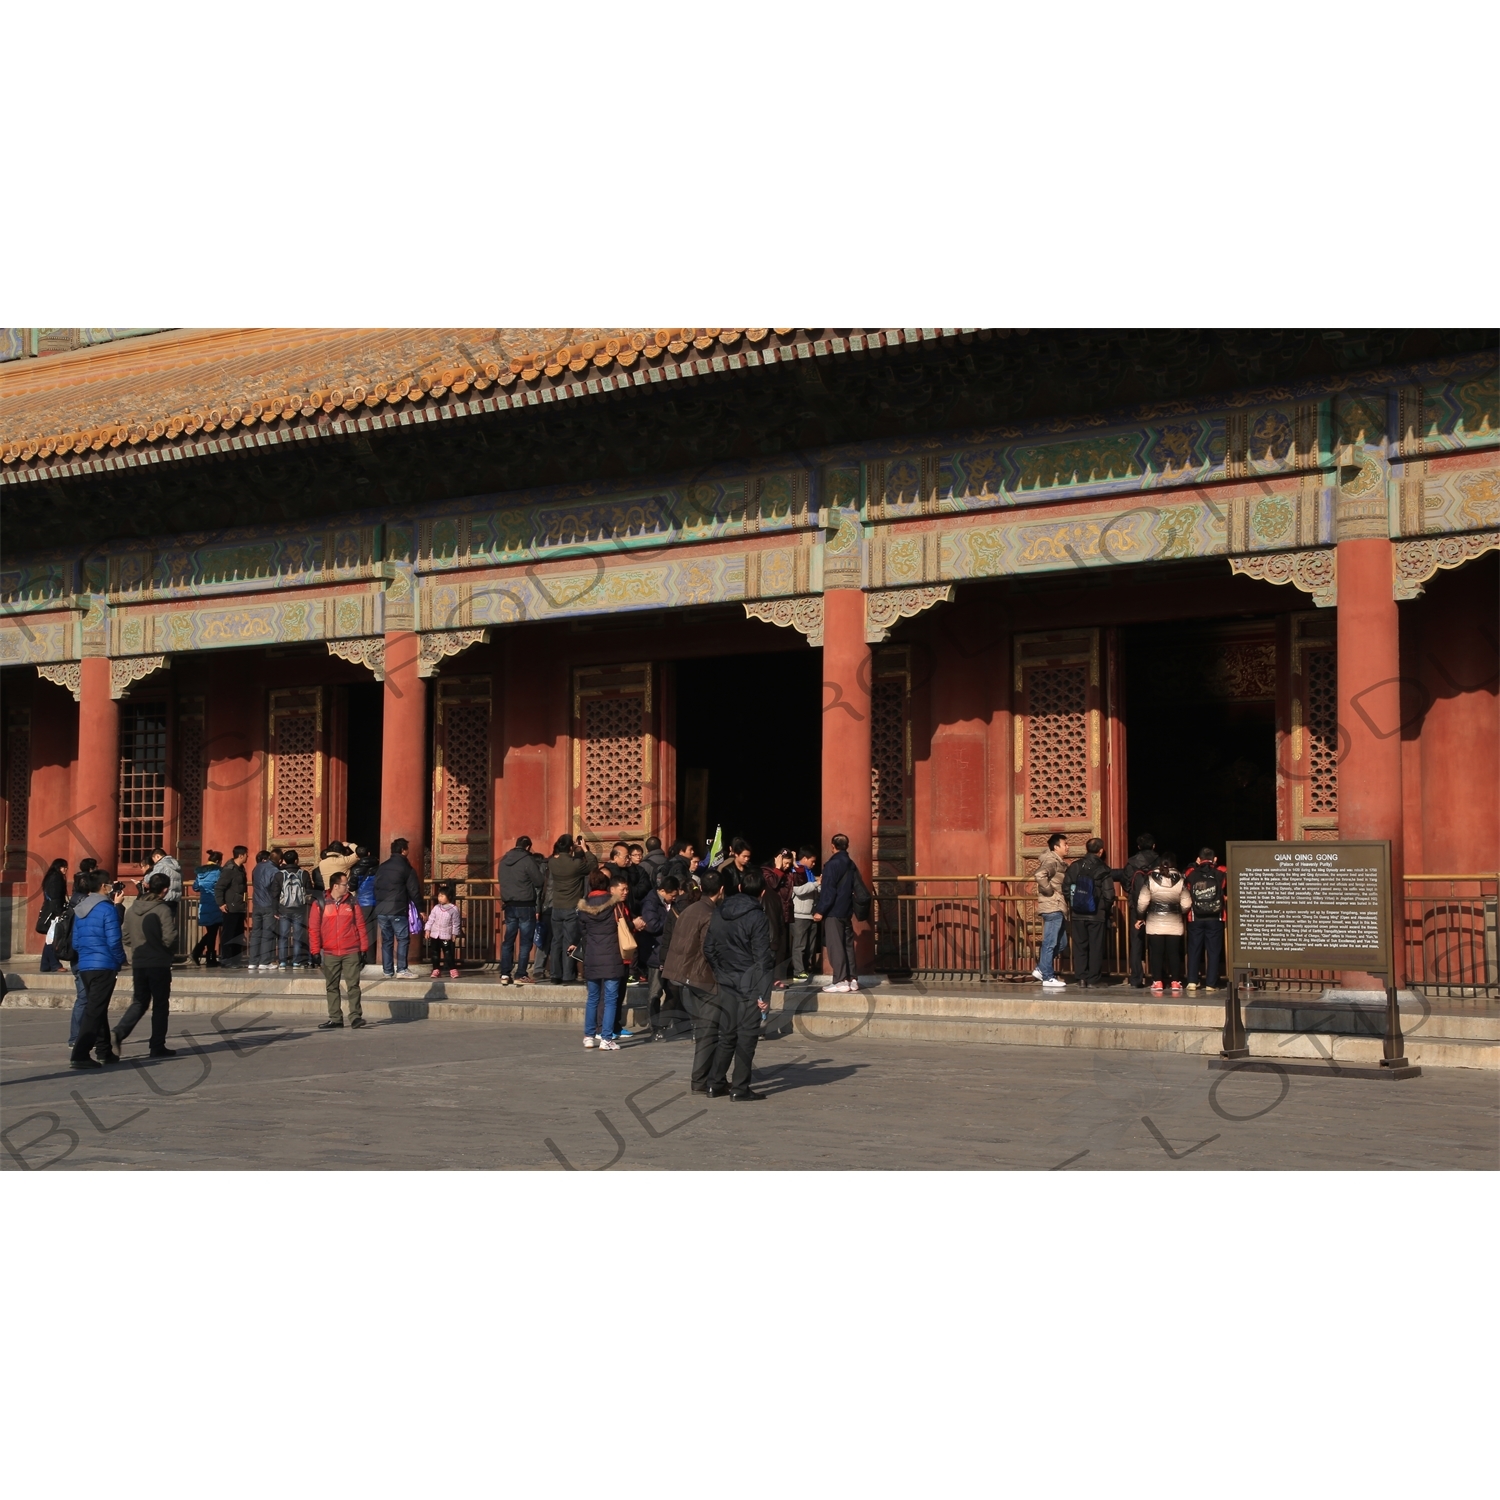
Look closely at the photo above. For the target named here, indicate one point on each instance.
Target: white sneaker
(1037, 974)
(1054, 984)
(838, 987)
(608, 1044)
(405, 974)
(588, 1041)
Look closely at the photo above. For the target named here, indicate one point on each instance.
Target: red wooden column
(236, 773)
(405, 790)
(95, 814)
(846, 737)
(1370, 709)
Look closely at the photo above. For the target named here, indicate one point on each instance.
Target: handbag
(414, 923)
(626, 938)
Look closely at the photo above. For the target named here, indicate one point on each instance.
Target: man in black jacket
(732, 870)
(522, 878)
(396, 888)
(680, 862)
(1089, 890)
(654, 935)
(233, 887)
(654, 859)
(737, 946)
(567, 875)
(1131, 878)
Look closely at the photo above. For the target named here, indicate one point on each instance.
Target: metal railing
(987, 927)
(1450, 935)
(971, 927)
(478, 902)
(476, 899)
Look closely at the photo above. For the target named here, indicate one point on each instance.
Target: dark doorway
(366, 721)
(1200, 727)
(749, 749)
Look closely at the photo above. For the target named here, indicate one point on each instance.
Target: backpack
(861, 896)
(1207, 894)
(1083, 901)
(293, 889)
(62, 937)
(366, 896)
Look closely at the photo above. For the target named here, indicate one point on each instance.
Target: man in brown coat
(1051, 908)
(686, 966)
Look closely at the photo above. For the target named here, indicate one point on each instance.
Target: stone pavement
(254, 1090)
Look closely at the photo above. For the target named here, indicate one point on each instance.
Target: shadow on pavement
(798, 1073)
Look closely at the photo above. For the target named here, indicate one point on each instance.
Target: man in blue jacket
(835, 910)
(101, 956)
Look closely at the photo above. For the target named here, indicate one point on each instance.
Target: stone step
(1416, 1020)
(999, 1031)
(900, 1013)
(1135, 1036)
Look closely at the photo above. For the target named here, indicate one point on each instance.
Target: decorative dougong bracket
(125, 670)
(1315, 573)
(66, 674)
(1418, 561)
(367, 651)
(440, 643)
(804, 615)
(884, 607)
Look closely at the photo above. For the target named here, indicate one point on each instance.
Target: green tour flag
(716, 846)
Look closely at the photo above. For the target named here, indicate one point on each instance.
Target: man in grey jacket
(150, 936)
(162, 863)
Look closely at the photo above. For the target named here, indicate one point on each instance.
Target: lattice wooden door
(1059, 778)
(296, 774)
(17, 792)
(615, 754)
(890, 762)
(1311, 776)
(461, 792)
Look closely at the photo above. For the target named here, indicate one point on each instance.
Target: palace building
(946, 590)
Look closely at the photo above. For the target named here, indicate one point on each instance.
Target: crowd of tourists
(711, 938)
(1166, 907)
(276, 916)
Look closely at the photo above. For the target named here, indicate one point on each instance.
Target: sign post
(1312, 906)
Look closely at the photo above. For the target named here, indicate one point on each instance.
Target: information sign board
(1310, 905)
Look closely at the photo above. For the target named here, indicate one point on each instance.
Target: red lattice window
(466, 768)
(1058, 781)
(1322, 733)
(143, 780)
(614, 762)
(888, 750)
(296, 776)
(190, 779)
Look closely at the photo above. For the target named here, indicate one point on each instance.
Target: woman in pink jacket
(445, 925)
